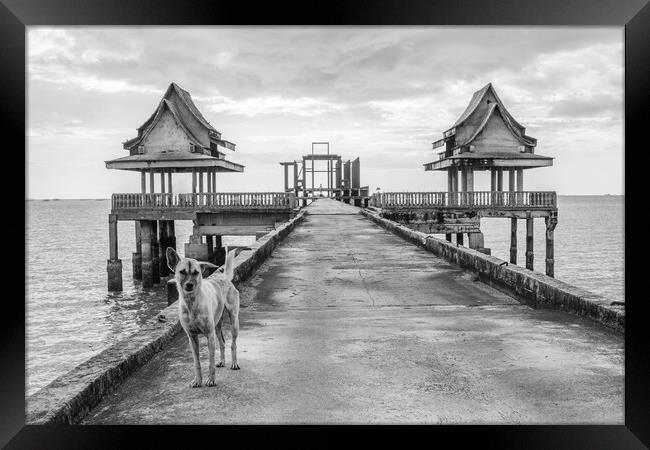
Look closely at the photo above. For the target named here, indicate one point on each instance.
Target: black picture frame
(634, 15)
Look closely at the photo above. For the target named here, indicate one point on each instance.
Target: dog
(201, 304)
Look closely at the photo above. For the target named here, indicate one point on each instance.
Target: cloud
(383, 93)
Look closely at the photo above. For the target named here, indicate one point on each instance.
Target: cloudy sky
(381, 93)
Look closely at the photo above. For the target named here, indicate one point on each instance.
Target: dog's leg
(212, 348)
(222, 344)
(194, 345)
(234, 328)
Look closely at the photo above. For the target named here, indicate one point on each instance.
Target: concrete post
(147, 255)
(493, 180)
(463, 179)
(550, 262)
(155, 260)
(286, 177)
(163, 269)
(201, 181)
(511, 180)
(520, 180)
(114, 264)
(529, 243)
(214, 180)
(137, 256)
(295, 178)
(193, 181)
(152, 184)
(209, 177)
(219, 251)
(513, 240)
(171, 234)
(500, 179)
(169, 181)
(304, 181)
(162, 181)
(209, 243)
(143, 182)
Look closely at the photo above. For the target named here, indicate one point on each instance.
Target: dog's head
(188, 272)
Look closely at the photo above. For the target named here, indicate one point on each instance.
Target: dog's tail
(230, 262)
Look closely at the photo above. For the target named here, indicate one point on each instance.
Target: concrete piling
(147, 256)
(114, 264)
(550, 262)
(529, 243)
(513, 241)
(163, 269)
(137, 255)
(155, 260)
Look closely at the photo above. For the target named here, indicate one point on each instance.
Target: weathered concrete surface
(347, 322)
(534, 288)
(68, 398)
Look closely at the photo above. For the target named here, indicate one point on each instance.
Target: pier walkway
(347, 322)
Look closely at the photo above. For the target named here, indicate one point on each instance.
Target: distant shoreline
(100, 199)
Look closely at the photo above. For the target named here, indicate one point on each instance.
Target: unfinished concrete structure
(178, 139)
(343, 179)
(485, 137)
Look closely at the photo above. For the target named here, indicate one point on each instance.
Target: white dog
(201, 303)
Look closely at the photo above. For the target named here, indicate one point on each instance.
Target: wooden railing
(232, 200)
(477, 199)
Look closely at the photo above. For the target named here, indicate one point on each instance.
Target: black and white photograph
(238, 224)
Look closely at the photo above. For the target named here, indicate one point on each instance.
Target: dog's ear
(172, 258)
(207, 268)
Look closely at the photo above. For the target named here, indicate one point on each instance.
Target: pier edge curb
(532, 288)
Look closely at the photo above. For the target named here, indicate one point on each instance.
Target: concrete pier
(350, 323)
(147, 252)
(155, 257)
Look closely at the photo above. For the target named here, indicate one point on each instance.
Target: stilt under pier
(114, 264)
(147, 256)
(137, 256)
(529, 244)
(513, 241)
(155, 260)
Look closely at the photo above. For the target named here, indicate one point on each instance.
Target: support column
(529, 243)
(463, 179)
(155, 260)
(469, 179)
(193, 181)
(201, 181)
(511, 180)
(169, 181)
(493, 180)
(137, 256)
(219, 252)
(162, 181)
(550, 253)
(209, 242)
(500, 179)
(459, 238)
(114, 264)
(152, 185)
(171, 234)
(295, 178)
(147, 255)
(304, 182)
(520, 180)
(209, 180)
(163, 269)
(513, 241)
